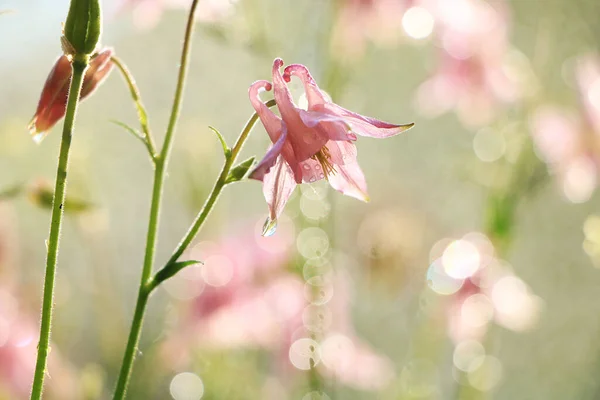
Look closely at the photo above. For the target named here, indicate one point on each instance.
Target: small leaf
(169, 270)
(238, 172)
(226, 149)
(129, 129)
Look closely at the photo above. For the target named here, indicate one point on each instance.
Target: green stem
(212, 199)
(79, 67)
(137, 99)
(161, 163)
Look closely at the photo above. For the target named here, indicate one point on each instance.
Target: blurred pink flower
(570, 144)
(265, 305)
(361, 20)
(310, 145)
(53, 100)
(147, 13)
(476, 73)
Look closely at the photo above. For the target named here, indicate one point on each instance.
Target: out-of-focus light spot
(186, 386)
(419, 378)
(516, 308)
(313, 243)
(594, 94)
(181, 288)
(468, 355)
(580, 180)
(477, 310)
(316, 318)
(489, 145)
(314, 209)
(337, 351)
(8, 306)
(318, 290)
(316, 396)
(217, 270)
(417, 22)
(440, 282)
(461, 259)
(316, 267)
(305, 354)
(437, 250)
(487, 375)
(316, 191)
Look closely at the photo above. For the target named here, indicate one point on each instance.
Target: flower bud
(83, 26)
(53, 100)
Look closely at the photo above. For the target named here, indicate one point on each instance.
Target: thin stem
(79, 67)
(161, 163)
(216, 191)
(137, 99)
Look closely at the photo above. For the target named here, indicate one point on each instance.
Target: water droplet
(317, 167)
(321, 175)
(269, 227)
(312, 179)
(306, 167)
(38, 137)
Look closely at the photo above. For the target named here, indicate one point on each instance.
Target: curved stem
(161, 162)
(60, 189)
(137, 99)
(214, 195)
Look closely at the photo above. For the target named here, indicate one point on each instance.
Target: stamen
(324, 158)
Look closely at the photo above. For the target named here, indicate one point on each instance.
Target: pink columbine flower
(313, 144)
(53, 100)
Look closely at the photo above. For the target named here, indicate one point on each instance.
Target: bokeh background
(471, 274)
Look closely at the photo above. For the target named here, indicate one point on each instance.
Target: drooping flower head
(53, 100)
(313, 144)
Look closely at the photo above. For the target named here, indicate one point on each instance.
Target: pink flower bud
(53, 100)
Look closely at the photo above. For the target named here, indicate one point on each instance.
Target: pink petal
(331, 126)
(272, 123)
(305, 142)
(278, 185)
(364, 126)
(311, 171)
(270, 158)
(314, 95)
(350, 180)
(341, 152)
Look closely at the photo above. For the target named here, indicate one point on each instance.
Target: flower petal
(364, 126)
(311, 171)
(304, 140)
(332, 126)
(350, 180)
(341, 152)
(270, 158)
(272, 123)
(278, 185)
(100, 67)
(314, 94)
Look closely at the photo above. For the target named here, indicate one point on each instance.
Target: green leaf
(169, 270)
(226, 149)
(238, 172)
(129, 129)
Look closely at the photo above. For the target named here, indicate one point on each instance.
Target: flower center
(324, 158)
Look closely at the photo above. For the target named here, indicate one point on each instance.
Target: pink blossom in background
(570, 144)
(477, 72)
(313, 144)
(359, 21)
(264, 305)
(147, 13)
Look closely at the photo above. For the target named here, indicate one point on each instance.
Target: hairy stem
(60, 189)
(161, 165)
